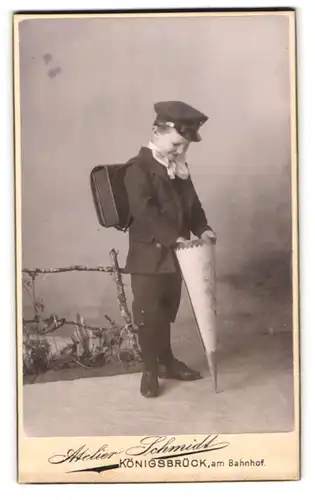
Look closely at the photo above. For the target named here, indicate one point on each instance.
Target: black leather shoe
(178, 370)
(149, 387)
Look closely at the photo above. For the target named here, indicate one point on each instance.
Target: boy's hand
(181, 240)
(209, 235)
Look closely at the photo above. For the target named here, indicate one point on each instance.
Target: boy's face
(171, 143)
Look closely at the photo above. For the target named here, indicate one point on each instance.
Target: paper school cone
(196, 260)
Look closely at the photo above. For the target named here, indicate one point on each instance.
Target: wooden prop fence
(128, 332)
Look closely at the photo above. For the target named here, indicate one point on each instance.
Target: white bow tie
(177, 169)
(174, 168)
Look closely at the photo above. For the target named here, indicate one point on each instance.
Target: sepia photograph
(156, 186)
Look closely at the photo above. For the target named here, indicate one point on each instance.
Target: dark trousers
(155, 306)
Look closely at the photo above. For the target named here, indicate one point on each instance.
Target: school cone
(196, 259)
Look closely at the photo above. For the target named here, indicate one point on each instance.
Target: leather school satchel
(110, 196)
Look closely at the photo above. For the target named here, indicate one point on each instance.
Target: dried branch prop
(90, 345)
(84, 335)
(129, 332)
(121, 297)
(110, 321)
(53, 323)
(36, 270)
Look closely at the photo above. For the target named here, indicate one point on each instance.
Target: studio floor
(255, 394)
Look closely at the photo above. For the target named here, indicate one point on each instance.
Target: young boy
(165, 210)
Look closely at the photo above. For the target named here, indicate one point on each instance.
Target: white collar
(157, 155)
(179, 169)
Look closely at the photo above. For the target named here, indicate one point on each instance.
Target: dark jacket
(161, 213)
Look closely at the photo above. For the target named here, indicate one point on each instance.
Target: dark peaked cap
(185, 119)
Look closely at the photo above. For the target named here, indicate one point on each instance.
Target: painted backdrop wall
(87, 93)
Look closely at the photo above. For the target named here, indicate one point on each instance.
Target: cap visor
(191, 136)
(196, 137)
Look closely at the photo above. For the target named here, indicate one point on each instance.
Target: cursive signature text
(82, 454)
(156, 445)
(153, 446)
